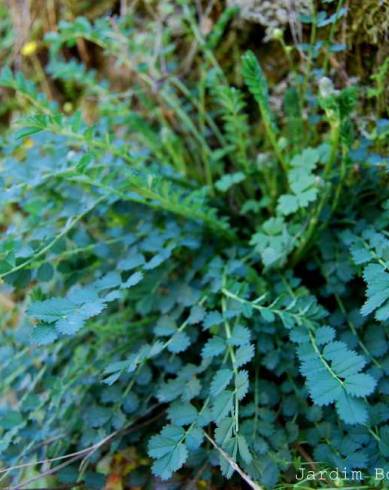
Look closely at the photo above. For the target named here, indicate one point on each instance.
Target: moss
(369, 21)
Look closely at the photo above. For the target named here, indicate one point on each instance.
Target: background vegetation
(194, 253)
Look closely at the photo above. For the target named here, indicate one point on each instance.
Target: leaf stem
(314, 220)
(51, 244)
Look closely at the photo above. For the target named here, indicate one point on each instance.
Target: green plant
(192, 278)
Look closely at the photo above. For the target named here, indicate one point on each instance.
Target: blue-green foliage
(167, 297)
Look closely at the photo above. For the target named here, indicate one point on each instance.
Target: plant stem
(331, 36)
(311, 48)
(204, 153)
(233, 361)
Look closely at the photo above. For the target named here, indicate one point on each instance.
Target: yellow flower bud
(202, 484)
(277, 34)
(67, 107)
(29, 48)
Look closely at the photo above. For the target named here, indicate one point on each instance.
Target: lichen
(270, 14)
